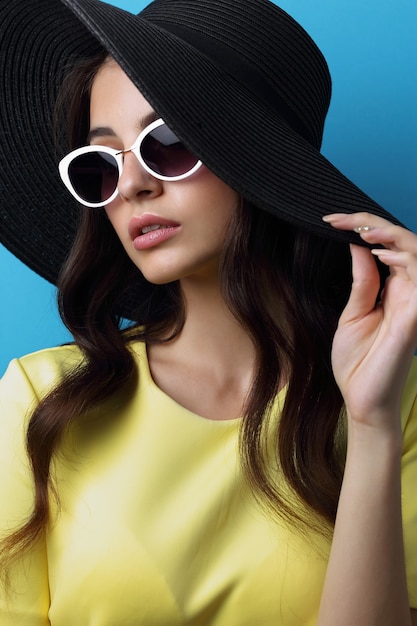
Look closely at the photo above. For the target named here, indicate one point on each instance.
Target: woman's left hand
(375, 341)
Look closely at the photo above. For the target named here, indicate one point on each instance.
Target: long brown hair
(285, 286)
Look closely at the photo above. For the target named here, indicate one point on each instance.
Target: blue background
(371, 135)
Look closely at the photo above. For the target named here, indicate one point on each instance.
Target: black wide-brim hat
(239, 81)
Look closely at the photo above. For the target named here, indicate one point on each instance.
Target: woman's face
(187, 219)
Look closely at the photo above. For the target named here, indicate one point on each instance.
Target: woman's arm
(373, 347)
(365, 582)
(25, 602)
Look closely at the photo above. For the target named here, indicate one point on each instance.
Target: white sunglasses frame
(118, 157)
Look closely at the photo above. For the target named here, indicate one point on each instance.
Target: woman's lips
(148, 231)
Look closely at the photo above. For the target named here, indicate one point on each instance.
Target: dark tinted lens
(164, 153)
(94, 176)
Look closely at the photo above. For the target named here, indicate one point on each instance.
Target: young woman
(231, 438)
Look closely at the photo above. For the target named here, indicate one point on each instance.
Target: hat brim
(273, 166)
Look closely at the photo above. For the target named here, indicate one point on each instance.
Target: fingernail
(363, 229)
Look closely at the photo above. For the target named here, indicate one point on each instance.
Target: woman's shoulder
(40, 370)
(409, 401)
(409, 479)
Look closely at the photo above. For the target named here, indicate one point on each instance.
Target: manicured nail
(363, 229)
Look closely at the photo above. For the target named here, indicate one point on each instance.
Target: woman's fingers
(399, 250)
(375, 230)
(365, 285)
(404, 263)
(396, 313)
(376, 338)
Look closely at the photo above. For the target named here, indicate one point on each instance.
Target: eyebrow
(106, 131)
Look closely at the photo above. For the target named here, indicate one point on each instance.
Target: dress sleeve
(409, 481)
(26, 602)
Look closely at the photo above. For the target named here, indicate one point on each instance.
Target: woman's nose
(135, 181)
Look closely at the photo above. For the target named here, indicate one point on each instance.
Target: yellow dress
(156, 525)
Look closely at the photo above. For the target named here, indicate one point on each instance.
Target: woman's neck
(209, 367)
